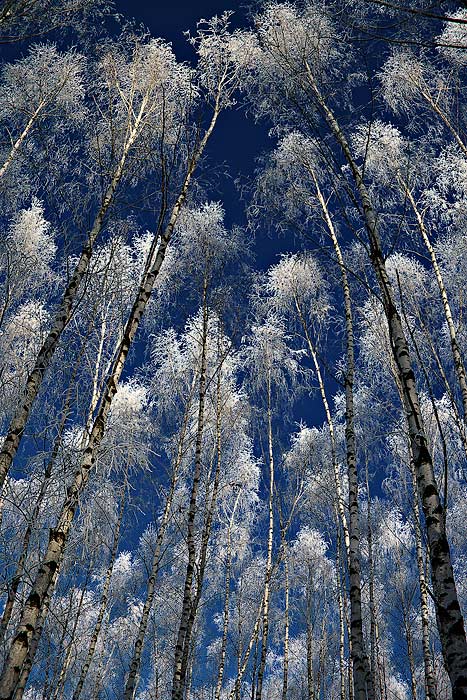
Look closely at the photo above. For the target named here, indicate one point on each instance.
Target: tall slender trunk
(285, 674)
(349, 638)
(430, 681)
(449, 616)
(201, 569)
(17, 144)
(320, 690)
(31, 121)
(105, 593)
(340, 607)
(69, 648)
(65, 311)
(362, 681)
(101, 674)
(202, 559)
(330, 423)
(243, 664)
(371, 575)
(309, 636)
(456, 352)
(135, 663)
(268, 572)
(45, 578)
(27, 665)
(435, 106)
(20, 566)
(19, 572)
(409, 642)
(225, 616)
(178, 680)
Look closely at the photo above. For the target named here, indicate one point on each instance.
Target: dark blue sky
(237, 141)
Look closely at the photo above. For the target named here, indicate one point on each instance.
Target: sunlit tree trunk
(243, 664)
(50, 564)
(409, 642)
(206, 532)
(17, 144)
(449, 616)
(66, 662)
(456, 352)
(16, 428)
(183, 638)
(362, 681)
(371, 576)
(268, 572)
(132, 680)
(105, 594)
(19, 572)
(226, 615)
(430, 681)
(23, 676)
(340, 606)
(309, 637)
(330, 423)
(285, 675)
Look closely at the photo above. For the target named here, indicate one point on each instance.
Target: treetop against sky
(233, 388)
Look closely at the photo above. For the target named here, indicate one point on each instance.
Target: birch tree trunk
(267, 577)
(430, 682)
(340, 606)
(105, 595)
(132, 680)
(456, 352)
(225, 616)
(449, 616)
(330, 423)
(26, 668)
(46, 575)
(19, 572)
(235, 692)
(17, 144)
(409, 642)
(309, 637)
(201, 568)
(178, 681)
(33, 383)
(66, 663)
(285, 675)
(371, 575)
(363, 687)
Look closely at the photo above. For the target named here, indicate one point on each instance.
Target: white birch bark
(362, 685)
(104, 597)
(178, 680)
(49, 567)
(33, 383)
(456, 352)
(17, 144)
(225, 615)
(449, 616)
(132, 680)
(268, 572)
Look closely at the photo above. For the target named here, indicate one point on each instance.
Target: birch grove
(233, 373)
